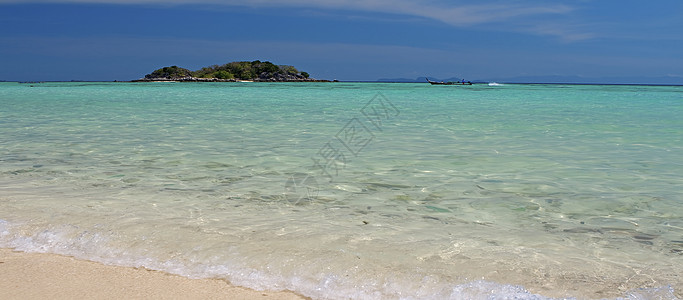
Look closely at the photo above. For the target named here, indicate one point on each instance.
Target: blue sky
(345, 39)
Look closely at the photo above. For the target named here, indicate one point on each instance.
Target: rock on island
(232, 72)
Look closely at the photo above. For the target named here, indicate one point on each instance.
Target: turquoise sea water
(354, 190)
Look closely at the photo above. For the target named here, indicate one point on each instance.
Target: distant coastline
(238, 71)
(555, 79)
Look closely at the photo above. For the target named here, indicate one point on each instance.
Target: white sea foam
(495, 84)
(4, 230)
(327, 286)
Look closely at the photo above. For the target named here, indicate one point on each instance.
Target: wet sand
(49, 276)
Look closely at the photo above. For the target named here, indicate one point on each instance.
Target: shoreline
(42, 275)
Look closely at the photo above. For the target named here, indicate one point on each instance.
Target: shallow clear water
(354, 190)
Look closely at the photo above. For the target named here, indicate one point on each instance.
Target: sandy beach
(48, 276)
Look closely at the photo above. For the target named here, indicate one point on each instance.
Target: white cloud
(461, 13)
(509, 14)
(452, 12)
(565, 32)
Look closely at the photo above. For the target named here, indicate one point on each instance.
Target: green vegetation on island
(234, 71)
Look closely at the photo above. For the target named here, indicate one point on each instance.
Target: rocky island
(232, 72)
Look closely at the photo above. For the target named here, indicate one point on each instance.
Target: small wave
(495, 84)
(4, 229)
(93, 246)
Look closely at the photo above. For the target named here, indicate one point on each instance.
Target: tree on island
(222, 74)
(170, 72)
(239, 70)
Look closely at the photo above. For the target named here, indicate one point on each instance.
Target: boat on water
(449, 82)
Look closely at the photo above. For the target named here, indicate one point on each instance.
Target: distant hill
(419, 79)
(233, 71)
(664, 80)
